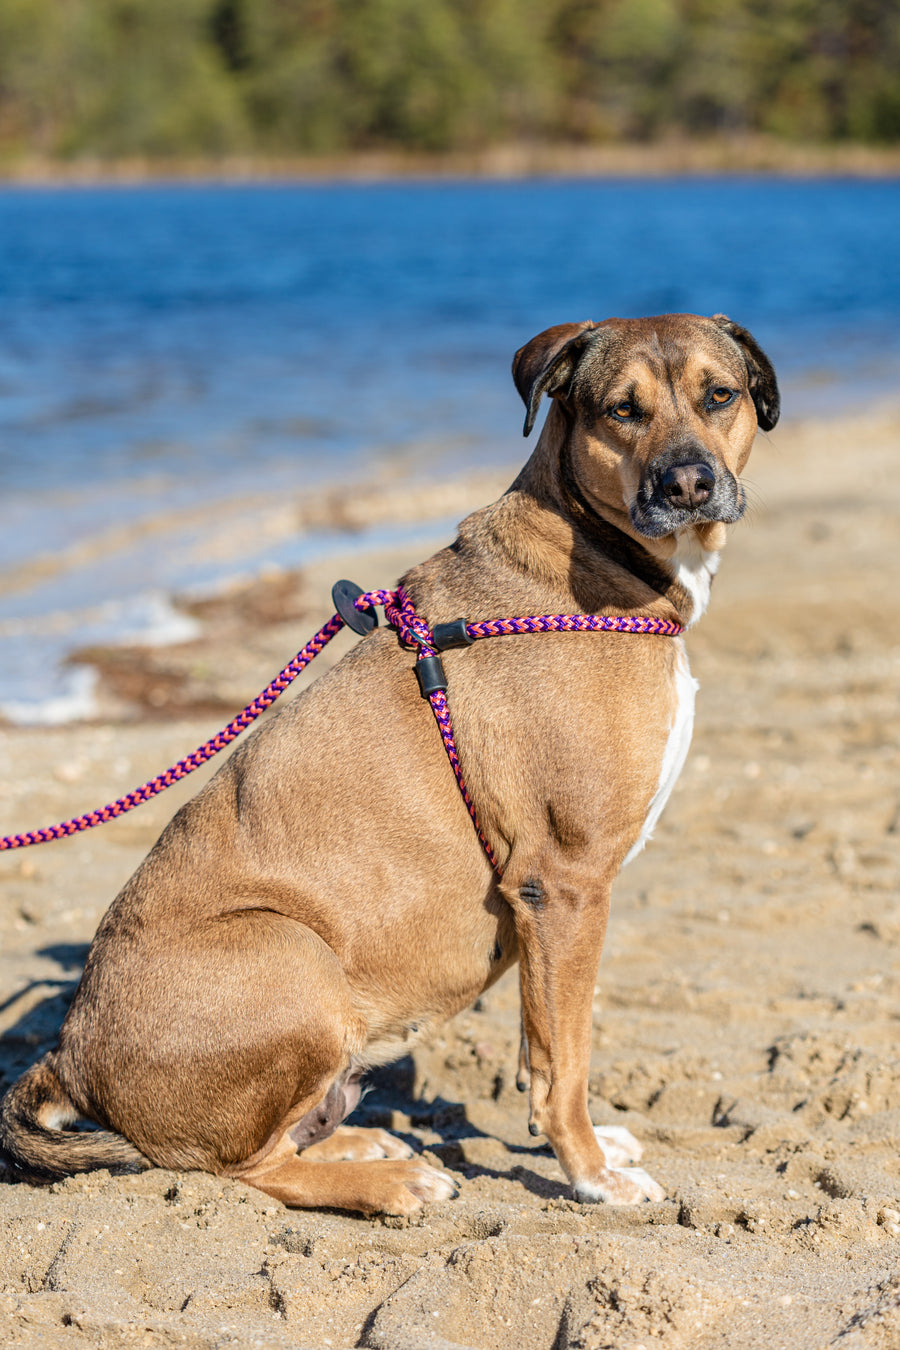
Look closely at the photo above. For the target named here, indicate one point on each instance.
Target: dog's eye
(721, 396)
(624, 410)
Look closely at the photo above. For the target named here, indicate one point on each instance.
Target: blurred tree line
(181, 77)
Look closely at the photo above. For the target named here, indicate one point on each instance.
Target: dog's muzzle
(685, 486)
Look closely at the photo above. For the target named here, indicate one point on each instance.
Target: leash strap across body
(355, 608)
(414, 631)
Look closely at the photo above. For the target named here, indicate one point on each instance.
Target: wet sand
(745, 1017)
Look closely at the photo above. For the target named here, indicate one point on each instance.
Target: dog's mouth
(685, 488)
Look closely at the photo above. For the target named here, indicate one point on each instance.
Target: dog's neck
(694, 568)
(592, 548)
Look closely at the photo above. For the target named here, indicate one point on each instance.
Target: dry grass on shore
(713, 156)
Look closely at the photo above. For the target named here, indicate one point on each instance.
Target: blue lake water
(163, 349)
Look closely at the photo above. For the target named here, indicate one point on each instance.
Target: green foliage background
(113, 78)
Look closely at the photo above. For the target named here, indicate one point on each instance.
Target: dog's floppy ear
(547, 363)
(763, 384)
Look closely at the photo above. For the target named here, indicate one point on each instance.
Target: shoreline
(740, 156)
(259, 555)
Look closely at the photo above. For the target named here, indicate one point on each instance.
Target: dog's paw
(432, 1185)
(357, 1143)
(619, 1146)
(620, 1186)
(416, 1185)
(388, 1145)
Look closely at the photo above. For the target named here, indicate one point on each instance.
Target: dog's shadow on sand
(36, 1028)
(392, 1089)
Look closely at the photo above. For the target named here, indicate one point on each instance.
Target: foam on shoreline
(97, 595)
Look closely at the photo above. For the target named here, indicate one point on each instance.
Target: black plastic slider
(447, 635)
(430, 674)
(362, 621)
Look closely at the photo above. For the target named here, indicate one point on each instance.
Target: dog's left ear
(763, 384)
(547, 363)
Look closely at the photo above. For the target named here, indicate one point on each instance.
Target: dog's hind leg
(203, 1053)
(235, 1052)
(285, 1011)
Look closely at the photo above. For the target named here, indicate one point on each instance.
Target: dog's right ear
(547, 363)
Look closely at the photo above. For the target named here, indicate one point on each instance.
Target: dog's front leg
(560, 928)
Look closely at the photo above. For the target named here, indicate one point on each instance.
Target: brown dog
(324, 899)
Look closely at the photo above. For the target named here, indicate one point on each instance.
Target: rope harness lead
(355, 609)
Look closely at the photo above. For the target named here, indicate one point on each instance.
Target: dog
(324, 900)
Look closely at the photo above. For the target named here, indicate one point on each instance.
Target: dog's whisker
(755, 499)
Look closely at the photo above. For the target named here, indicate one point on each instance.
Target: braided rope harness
(355, 609)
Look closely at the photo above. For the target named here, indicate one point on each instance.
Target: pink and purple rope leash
(413, 632)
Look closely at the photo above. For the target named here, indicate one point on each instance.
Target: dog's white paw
(621, 1186)
(392, 1146)
(431, 1185)
(378, 1143)
(357, 1143)
(619, 1146)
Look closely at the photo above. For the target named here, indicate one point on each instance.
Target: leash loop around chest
(415, 632)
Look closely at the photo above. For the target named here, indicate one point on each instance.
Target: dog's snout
(688, 485)
(683, 486)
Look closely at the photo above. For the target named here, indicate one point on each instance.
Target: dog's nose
(688, 485)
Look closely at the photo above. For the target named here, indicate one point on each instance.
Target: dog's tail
(34, 1149)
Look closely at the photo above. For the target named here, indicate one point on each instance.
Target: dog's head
(662, 413)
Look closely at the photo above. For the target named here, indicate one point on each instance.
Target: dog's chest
(677, 745)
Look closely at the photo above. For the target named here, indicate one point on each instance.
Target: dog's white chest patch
(694, 568)
(676, 749)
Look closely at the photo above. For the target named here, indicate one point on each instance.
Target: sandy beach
(746, 1010)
